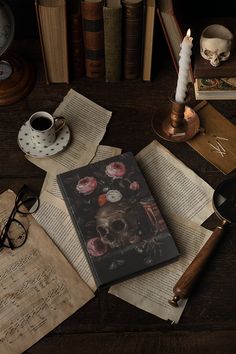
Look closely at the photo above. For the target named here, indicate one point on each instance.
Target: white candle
(184, 62)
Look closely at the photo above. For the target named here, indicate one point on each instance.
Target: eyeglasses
(14, 232)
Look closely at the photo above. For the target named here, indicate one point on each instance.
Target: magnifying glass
(224, 204)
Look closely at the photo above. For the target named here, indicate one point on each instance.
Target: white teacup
(44, 128)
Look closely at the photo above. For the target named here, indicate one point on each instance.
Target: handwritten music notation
(38, 287)
(41, 284)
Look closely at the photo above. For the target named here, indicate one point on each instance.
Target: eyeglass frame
(18, 203)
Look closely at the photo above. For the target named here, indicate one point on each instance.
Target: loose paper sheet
(103, 152)
(87, 121)
(61, 230)
(182, 196)
(218, 143)
(39, 288)
(177, 189)
(151, 291)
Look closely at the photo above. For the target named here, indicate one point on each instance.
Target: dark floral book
(119, 224)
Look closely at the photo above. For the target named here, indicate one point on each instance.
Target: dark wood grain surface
(107, 324)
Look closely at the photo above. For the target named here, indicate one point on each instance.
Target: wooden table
(108, 324)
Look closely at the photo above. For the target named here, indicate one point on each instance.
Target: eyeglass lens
(14, 232)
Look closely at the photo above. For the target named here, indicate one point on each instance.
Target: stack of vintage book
(112, 39)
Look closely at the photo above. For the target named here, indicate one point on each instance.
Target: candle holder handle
(176, 122)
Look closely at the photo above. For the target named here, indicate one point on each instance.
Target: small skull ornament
(216, 44)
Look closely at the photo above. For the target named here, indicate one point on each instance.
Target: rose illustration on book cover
(121, 225)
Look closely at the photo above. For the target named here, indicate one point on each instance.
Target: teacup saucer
(29, 148)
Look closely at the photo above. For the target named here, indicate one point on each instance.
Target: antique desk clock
(16, 74)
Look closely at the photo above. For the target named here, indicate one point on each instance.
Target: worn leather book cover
(215, 89)
(75, 40)
(112, 17)
(132, 35)
(52, 24)
(93, 34)
(119, 224)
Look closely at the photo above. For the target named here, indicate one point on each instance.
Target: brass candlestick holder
(176, 122)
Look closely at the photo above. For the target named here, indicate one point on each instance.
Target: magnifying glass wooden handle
(185, 284)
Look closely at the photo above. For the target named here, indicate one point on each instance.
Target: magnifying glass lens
(224, 200)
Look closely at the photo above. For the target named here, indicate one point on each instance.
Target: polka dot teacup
(44, 128)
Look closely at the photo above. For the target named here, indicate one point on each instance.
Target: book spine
(132, 26)
(52, 24)
(76, 42)
(149, 20)
(112, 42)
(93, 34)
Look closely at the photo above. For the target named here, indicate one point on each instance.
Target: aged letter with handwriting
(39, 288)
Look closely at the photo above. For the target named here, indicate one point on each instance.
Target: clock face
(5, 70)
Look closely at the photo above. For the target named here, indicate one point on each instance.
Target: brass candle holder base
(176, 122)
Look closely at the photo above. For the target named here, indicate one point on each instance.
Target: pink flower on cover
(115, 169)
(96, 247)
(86, 185)
(134, 186)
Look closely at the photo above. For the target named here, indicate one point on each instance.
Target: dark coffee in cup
(41, 123)
(44, 128)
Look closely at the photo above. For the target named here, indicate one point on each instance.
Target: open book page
(87, 122)
(103, 152)
(151, 291)
(61, 230)
(180, 192)
(39, 288)
(176, 188)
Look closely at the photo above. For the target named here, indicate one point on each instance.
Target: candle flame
(189, 32)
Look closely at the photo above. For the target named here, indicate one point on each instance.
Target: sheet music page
(61, 230)
(39, 288)
(182, 196)
(151, 291)
(103, 152)
(87, 122)
(176, 188)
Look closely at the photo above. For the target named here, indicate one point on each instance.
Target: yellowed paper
(151, 291)
(87, 122)
(60, 227)
(177, 189)
(103, 152)
(185, 201)
(39, 288)
(61, 230)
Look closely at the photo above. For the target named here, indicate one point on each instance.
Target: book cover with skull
(119, 224)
